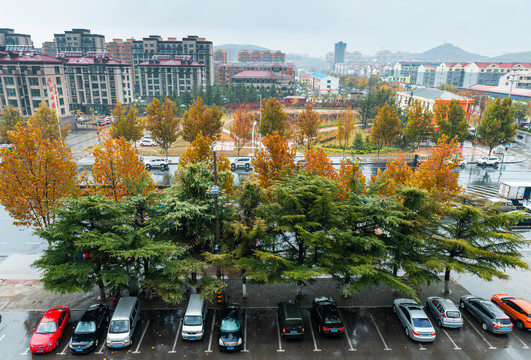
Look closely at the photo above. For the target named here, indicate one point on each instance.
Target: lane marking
(141, 338)
(279, 340)
(311, 329)
(101, 348)
(64, 350)
(386, 348)
(211, 333)
(455, 346)
(480, 334)
(512, 333)
(351, 348)
(172, 351)
(33, 243)
(25, 352)
(2, 337)
(245, 333)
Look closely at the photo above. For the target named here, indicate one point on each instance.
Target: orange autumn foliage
(316, 160)
(276, 158)
(116, 166)
(34, 176)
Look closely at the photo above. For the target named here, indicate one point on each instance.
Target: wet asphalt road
(372, 333)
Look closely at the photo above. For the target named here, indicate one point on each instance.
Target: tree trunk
(447, 281)
(194, 280)
(244, 287)
(102, 290)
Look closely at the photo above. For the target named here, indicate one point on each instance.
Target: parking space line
(64, 350)
(245, 332)
(101, 348)
(2, 337)
(512, 333)
(141, 338)
(421, 347)
(172, 351)
(279, 339)
(311, 329)
(25, 352)
(386, 348)
(211, 333)
(480, 334)
(455, 346)
(351, 348)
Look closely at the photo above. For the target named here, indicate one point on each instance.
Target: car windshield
(192, 320)
(230, 325)
(331, 315)
(119, 326)
(453, 314)
(47, 327)
(421, 322)
(85, 327)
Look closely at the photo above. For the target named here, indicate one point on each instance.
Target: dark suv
(328, 318)
(290, 319)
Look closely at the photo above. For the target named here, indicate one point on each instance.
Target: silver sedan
(445, 312)
(415, 321)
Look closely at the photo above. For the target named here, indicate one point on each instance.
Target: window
(36, 104)
(34, 81)
(60, 91)
(57, 71)
(61, 101)
(11, 92)
(9, 81)
(35, 92)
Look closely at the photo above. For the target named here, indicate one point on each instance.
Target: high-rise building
(96, 81)
(198, 49)
(261, 56)
(79, 40)
(165, 75)
(28, 77)
(219, 56)
(339, 52)
(121, 50)
(48, 48)
(9, 37)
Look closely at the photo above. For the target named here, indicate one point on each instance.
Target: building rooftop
(77, 58)
(502, 64)
(502, 90)
(255, 75)
(318, 76)
(433, 94)
(170, 62)
(28, 55)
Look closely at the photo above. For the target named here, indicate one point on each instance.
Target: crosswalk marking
(482, 191)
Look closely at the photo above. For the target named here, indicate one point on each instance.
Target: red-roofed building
(28, 77)
(263, 79)
(225, 72)
(165, 75)
(96, 81)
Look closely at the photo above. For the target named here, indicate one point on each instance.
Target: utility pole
(215, 192)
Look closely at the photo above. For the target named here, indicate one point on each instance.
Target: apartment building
(258, 56)
(324, 84)
(96, 81)
(196, 48)
(164, 75)
(121, 50)
(9, 37)
(48, 48)
(79, 40)
(429, 97)
(225, 72)
(28, 77)
(339, 52)
(219, 56)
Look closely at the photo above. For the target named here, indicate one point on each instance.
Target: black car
(328, 317)
(230, 328)
(89, 329)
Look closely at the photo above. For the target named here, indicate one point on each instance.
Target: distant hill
(306, 62)
(233, 49)
(524, 56)
(448, 52)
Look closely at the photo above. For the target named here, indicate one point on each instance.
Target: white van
(194, 318)
(123, 323)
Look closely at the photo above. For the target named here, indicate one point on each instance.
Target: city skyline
(304, 27)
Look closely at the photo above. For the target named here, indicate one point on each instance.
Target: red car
(50, 329)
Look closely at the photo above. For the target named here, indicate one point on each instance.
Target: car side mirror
(34, 329)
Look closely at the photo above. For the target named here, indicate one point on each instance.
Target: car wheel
(519, 325)
(439, 323)
(232, 167)
(247, 167)
(163, 167)
(57, 343)
(462, 166)
(394, 309)
(462, 304)
(496, 163)
(96, 343)
(407, 332)
(484, 326)
(148, 166)
(484, 164)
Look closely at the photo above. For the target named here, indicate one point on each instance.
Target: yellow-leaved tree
(276, 157)
(35, 175)
(316, 160)
(50, 125)
(117, 170)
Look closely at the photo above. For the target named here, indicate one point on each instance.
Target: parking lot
(370, 333)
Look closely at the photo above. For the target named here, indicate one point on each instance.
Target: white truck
(514, 190)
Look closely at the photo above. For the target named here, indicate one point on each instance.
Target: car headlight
(50, 344)
(90, 343)
(127, 338)
(31, 346)
(220, 342)
(239, 341)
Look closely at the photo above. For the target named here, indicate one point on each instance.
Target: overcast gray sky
(488, 27)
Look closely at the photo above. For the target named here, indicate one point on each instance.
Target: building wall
(339, 52)
(163, 80)
(325, 85)
(219, 56)
(48, 48)
(227, 71)
(25, 86)
(404, 100)
(257, 56)
(79, 40)
(121, 50)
